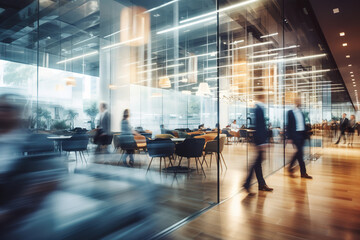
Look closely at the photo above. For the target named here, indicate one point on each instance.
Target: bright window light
(342, 34)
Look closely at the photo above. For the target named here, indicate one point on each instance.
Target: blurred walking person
(103, 128)
(296, 132)
(127, 140)
(351, 129)
(344, 123)
(260, 138)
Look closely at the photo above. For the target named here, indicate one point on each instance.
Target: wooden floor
(327, 207)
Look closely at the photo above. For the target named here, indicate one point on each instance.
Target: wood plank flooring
(327, 207)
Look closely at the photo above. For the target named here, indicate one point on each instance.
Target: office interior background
(175, 65)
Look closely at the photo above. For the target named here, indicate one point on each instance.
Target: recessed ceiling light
(352, 76)
(342, 34)
(350, 65)
(354, 85)
(336, 10)
(344, 44)
(351, 72)
(353, 79)
(347, 56)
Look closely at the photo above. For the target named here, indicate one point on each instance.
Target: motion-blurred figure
(296, 131)
(103, 128)
(28, 169)
(351, 129)
(127, 141)
(260, 138)
(344, 123)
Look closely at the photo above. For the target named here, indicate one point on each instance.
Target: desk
(59, 139)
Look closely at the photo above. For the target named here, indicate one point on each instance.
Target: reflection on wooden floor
(186, 194)
(327, 207)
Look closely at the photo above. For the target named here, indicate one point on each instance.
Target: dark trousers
(342, 134)
(256, 167)
(299, 155)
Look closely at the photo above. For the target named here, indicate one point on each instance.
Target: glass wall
(187, 70)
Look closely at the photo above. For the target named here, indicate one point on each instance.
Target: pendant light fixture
(204, 89)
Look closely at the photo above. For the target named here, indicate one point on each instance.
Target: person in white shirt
(234, 127)
(296, 133)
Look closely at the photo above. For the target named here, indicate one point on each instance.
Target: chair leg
(82, 152)
(188, 162)
(180, 161)
(75, 156)
(201, 167)
(197, 169)
(149, 164)
(204, 160)
(211, 154)
(160, 163)
(222, 157)
(170, 161)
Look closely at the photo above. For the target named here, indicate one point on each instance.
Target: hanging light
(203, 89)
(164, 82)
(70, 81)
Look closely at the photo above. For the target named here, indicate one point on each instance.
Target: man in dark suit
(296, 132)
(103, 128)
(260, 138)
(344, 123)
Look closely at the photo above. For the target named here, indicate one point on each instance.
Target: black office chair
(160, 148)
(77, 143)
(243, 135)
(191, 148)
(228, 136)
(38, 144)
(127, 144)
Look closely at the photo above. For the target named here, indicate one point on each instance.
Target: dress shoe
(265, 188)
(306, 176)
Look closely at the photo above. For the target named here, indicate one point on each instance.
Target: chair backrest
(116, 140)
(160, 147)
(127, 142)
(222, 142)
(212, 146)
(77, 142)
(226, 132)
(38, 143)
(191, 147)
